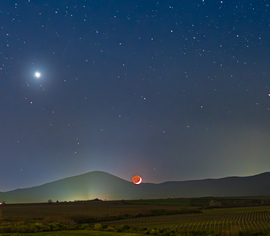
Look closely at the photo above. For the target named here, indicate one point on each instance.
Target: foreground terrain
(77, 232)
(199, 216)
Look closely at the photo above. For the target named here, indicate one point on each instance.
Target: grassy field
(155, 217)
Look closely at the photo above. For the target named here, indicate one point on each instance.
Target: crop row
(226, 221)
(219, 222)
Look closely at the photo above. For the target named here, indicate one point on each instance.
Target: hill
(102, 185)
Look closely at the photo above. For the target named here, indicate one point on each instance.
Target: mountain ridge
(99, 184)
(228, 177)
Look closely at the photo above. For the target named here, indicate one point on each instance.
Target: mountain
(102, 185)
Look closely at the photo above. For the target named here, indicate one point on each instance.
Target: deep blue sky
(170, 90)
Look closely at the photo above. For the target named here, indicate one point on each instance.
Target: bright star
(37, 74)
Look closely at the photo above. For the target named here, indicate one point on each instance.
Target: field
(77, 233)
(177, 215)
(220, 221)
(161, 202)
(92, 210)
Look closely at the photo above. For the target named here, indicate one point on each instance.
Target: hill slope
(102, 185)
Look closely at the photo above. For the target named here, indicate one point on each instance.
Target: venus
(37, 74)
(136, 179)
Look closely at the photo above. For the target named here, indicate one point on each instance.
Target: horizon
(143, 182)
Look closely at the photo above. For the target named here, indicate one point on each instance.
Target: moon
(37, 75)
(136, 179)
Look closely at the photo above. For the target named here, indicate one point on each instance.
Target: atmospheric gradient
(167, 90)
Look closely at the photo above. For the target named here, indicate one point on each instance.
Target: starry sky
(167, 89)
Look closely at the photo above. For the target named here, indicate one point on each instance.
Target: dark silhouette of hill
(102, 185)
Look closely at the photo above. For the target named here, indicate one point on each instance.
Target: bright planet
(37, 74)
(136, 179)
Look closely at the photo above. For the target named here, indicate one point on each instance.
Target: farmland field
(160, 202)
(92, 209)
(231, 221)
(80, 233)
(145, 214)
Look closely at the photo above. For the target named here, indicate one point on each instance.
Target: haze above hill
(102, 185)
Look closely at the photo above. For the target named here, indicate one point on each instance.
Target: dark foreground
(200, 216)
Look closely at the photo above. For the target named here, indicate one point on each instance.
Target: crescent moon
(140, 181)
(136, 179)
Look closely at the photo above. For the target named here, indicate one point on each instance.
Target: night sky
(169, 90)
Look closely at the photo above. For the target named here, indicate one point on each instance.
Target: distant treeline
(211, 202)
